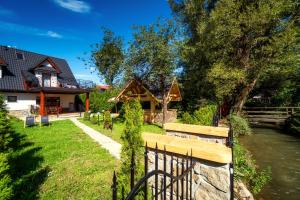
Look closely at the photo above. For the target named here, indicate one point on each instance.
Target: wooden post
(152, 111)
(87, 102)
(42, 103)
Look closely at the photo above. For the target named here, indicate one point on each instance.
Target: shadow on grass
(25, 168)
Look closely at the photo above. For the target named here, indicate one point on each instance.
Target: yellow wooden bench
(200, 149)
(197, 129)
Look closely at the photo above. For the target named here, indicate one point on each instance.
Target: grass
(118, 128)
(59, 162)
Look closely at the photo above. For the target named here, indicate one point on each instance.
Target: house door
(46, 80)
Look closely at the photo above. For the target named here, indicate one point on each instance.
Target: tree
(241, 41)
(108, 57)
(6, 190)
(152, 57)
(132, 140)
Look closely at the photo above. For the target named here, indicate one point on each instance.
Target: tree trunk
(243, 97)
(164, 110)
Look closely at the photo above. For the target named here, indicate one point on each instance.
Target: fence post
(177, 182)
(182, 181)
(146, 171)
(132, 166)
(156, 175)
(165, 176)
(187, 177)
(114, 187)
(172, 172)
(191, 175)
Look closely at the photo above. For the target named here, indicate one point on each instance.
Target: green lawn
(118, 128)
(60, 162)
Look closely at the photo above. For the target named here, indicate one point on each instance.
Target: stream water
(281, 152)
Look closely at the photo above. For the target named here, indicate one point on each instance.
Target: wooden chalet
(151, 99)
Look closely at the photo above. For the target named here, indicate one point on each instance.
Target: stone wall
(170, 117)
(210, 180)
(208, 138)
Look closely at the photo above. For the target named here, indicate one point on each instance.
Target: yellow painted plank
(201, 149)
(197, 129)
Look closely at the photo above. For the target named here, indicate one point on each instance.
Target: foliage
(94, 119)
(6, 140)
(246, 171)
(152, 56)
(233, 45)
(99, 100)
(239, 125)
(86, 116)
(132, 141)
(186, 118)
(108, 57)
(39, 166)
(204, 115)
(107, 124)
(6, 189)
(293, 124)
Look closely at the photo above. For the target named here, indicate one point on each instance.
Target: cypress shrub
(107, 120)
(5, 143)
(132, 141)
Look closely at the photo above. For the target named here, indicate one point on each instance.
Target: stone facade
(170, 117)
(210, 180)
(208, 138)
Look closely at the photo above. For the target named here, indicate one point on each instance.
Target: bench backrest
(29, 121)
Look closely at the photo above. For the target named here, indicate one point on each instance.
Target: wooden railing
(275, 115)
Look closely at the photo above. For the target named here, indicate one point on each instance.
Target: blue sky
(67, 28)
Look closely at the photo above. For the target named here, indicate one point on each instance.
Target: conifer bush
(132, 142)
(5, 143)
(107, 120)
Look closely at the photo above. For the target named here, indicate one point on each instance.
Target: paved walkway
(112, 146)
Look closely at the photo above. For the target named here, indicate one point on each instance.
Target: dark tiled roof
(13, 80)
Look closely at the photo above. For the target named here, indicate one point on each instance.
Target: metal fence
(181, 178)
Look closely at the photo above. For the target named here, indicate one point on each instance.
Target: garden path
(112, 146)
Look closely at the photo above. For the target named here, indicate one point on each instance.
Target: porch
(58, 101)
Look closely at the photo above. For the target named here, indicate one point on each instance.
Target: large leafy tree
(108, 57)
(152, 56)
(239, 42)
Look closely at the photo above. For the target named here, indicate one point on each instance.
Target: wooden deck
(197, 129)
(200, 149)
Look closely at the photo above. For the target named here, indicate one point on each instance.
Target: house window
(146, 105)
(46, 80)
(11, 99)
(20, 56)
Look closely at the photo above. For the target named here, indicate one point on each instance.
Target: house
(151, 99)
(31, 82)
(102, 88)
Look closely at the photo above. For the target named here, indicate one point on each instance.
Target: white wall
(25, 100)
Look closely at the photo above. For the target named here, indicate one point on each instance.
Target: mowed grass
(118, 128)
(60, 162)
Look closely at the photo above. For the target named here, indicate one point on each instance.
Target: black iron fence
(176, 181)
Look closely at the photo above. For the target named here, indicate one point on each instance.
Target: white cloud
(74, 5)
(18, 28)
(53, 34)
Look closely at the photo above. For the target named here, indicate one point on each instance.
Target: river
(281, 152)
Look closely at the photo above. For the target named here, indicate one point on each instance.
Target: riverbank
(280, 151)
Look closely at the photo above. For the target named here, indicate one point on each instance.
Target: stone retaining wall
(210, 180)
(208, 138)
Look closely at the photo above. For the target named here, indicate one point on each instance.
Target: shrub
(132, 141)
(86, 116)
(5, 148)
(99, 100)
(204, 115)
(94, 119)
(5, 180)
(239, 125)
(187, 118)
(107, 120)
